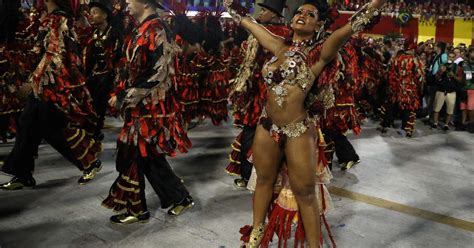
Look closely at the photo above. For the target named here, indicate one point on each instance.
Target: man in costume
(405, 86)
(153, 126)
(213, 69)
(248, 90)
(19, 28)
(101, 56)
(343, 116)
(59, 107)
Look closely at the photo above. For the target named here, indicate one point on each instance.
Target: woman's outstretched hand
(236, 11)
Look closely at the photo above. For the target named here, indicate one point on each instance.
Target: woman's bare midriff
(293, 109)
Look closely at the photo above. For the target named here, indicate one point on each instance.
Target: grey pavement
(433, 171)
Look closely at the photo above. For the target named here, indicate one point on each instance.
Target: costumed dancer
(153, 127)
(16, 42)
(189, 35)
(299, 79)
(82, 23)
(249, 93)
(214, 74)
(101, 58)
(59, 107)
(405, 86)
(371, 75)
(343, 116)
(237, 35)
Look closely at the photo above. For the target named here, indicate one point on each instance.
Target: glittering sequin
(293, 71)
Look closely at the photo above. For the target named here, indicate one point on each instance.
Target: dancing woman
(288, 129)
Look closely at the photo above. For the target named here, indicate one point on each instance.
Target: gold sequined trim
(136, 191)
(233, 161)
(87, 150)
(130, 181)
(83, 135)
(235, 148)
(75, 135)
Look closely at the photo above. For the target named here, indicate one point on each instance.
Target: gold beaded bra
(293, 71)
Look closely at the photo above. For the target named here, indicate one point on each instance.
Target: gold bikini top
(293, 71)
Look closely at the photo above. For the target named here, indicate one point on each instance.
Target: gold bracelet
(365, 18)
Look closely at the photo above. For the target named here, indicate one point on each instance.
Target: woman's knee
(304, 191)
(266, 178)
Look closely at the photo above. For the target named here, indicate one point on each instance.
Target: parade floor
(415, 192)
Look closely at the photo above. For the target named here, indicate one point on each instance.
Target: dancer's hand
(236, 11)
(113, 101)
(24, 91)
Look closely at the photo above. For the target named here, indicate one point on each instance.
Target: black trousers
(167, 185)
(391, 113)
(4, 122)
(39, 120)
(245, 145)
(345, 152)
(99, 87)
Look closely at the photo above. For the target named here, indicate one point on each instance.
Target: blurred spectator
(459, 58)
(467, 101)
(429, 11)
(448, 79)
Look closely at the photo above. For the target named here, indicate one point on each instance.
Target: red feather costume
(405, 84)
(16, 64)
(153, 125)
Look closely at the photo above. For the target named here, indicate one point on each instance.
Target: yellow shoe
(90, 173)
(179, 208)
(256, 236)
(240, 183)
(350, 164)
(127, 218)
(17, 183)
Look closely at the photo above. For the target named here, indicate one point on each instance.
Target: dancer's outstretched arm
(339, 37)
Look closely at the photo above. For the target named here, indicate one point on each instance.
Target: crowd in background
(428, 10)
(447, 87)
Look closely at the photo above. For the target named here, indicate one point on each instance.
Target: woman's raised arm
(358, 22)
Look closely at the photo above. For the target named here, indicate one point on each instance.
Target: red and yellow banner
(451, 31)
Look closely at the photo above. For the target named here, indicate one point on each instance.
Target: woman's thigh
(267, 155)
(301, 156)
